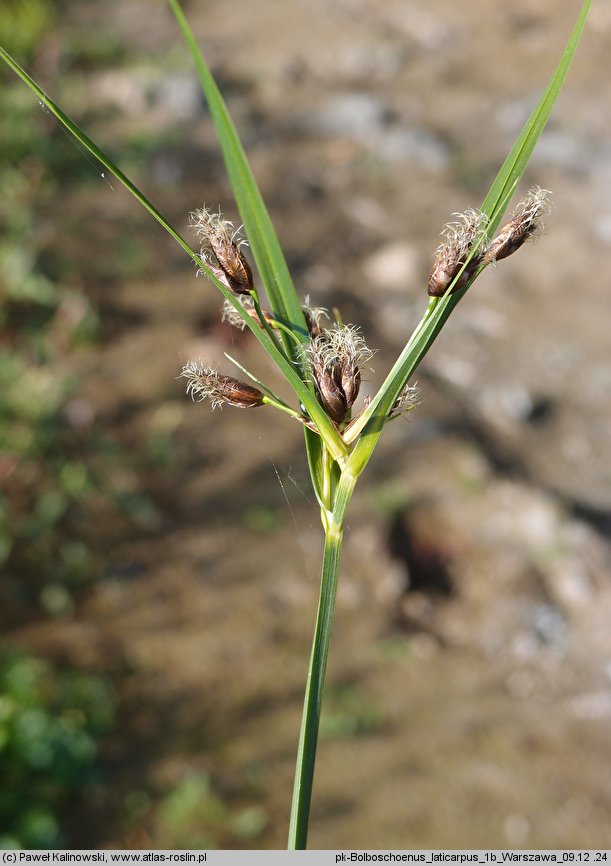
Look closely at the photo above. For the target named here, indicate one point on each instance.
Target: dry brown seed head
(335, 355)
(211, 264)
(525, 223)
(314, 317)
(330, 394)
(459, 239)
(219, 238)
(205, 383)
(350, 381)
(337, 387)
(240, 394)
(407, 400)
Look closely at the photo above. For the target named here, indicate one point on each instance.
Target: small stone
(591, 705)
(352, 115)
(393, 267)
(414, 146)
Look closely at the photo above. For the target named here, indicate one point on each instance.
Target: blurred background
(160, 562)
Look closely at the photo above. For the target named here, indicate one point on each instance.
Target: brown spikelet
(525, 223)
(204, 383)
(335, 355)
(314, 317)
(452, 253)
(221, 253)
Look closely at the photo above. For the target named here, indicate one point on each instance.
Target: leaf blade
(327, 429)
(511, 171)
(262, 237)
(494, 205)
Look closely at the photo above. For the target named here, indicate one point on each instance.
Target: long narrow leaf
(494, 206)
(513, 168)
(80, 136)
(325, 426)
(257, 224)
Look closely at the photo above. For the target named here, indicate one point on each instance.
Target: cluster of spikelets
(334, 355)
(466, 250)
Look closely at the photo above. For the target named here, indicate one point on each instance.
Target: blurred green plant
(50, 724)
(54, 468)
(48, 477)
(26, 22)
(42, 323)
(349, 712)
(194, 815)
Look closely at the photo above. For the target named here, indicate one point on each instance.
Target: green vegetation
(194, 815)
(43, 320)
(50, 722)
(348, 713)
(51, 719)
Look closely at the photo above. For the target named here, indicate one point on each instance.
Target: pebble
(414, 145)
(350, 114)
(366, 119)
(591, 705)
(395, 266)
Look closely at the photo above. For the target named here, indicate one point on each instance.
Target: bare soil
(469, 701)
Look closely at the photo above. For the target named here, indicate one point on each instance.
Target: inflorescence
(466, 250)
(204, 383)
(333, 356)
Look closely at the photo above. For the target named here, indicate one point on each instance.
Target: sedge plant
(321, 360)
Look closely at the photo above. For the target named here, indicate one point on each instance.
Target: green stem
(255, 297)
(308, 736)
(291, 334)
(280, 404)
